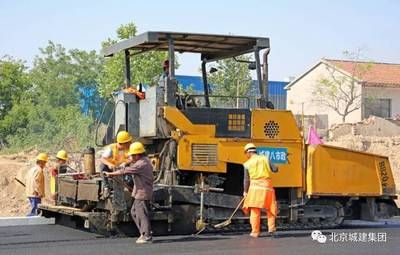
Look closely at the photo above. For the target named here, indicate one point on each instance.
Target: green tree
(339, 92)
(144, 67)
(232, 79)
(53, 77)
(13, 83)
(88, 65)
(48, 115)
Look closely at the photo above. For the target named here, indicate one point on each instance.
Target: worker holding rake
(258, 190)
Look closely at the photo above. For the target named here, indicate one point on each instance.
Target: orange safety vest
(261, 193)
(118, 156)
(53, 182)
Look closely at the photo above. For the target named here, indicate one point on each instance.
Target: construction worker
(34, 183)
(258, 190)
(165, 69)
(60, 168)
(142, 170)
(62, 157)
(115, 155)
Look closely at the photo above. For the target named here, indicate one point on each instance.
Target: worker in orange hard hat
(115, 155)
(258, 190)
(34, 183)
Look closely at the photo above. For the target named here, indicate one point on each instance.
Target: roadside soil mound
(13, 201)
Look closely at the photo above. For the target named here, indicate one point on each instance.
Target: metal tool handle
(237, 208)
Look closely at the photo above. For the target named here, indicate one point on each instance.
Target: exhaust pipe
(265, 75)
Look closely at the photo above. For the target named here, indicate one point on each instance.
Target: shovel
(19, 181)
(229, 220)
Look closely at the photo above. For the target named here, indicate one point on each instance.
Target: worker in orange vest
(34, 183)
(60, 168)
(258, 190)
(115, 155)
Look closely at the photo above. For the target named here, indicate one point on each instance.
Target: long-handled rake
(229, 220)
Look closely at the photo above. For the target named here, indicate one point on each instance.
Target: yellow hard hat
(249, 146)
(62, 154)
(123, 137)
(42, 157)
(136, 148)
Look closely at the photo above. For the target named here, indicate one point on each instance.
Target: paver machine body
(195, 143)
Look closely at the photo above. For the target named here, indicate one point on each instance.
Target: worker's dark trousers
(105, 168)
(141, 215)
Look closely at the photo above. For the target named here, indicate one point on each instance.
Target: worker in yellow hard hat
(115, 155)
(61, 157)
(60, 168)
(141, 169)
(34, 183)
(258, 190)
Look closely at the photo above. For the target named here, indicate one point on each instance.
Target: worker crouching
(34, 183)
(258, 190)
(139, 166)
(115, 155)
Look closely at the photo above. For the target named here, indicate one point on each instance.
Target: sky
(300, 32)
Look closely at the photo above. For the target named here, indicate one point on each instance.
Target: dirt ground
(13, 201)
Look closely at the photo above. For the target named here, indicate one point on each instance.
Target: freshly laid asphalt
(56, 239)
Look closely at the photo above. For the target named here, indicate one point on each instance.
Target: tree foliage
(53, 104)
(144, 67)
(341, 92)
(13, 82)
(232, 78)
(47, 113)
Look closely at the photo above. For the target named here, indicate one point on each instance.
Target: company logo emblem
(317, 235)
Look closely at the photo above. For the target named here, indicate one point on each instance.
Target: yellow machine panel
(199, 153)
(200, 150)
(274, 124)
(180, 121)
(290, 173)
(342, 172)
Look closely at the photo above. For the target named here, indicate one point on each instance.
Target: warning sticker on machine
(275, 155)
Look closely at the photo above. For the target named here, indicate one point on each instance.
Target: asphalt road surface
(54, 239)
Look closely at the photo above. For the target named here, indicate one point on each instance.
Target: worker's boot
(255, 235)
(144, 239)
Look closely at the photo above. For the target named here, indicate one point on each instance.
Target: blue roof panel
(187, 80)
(275, 87)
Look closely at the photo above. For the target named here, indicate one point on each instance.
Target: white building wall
(385, 93)
(300, 94)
